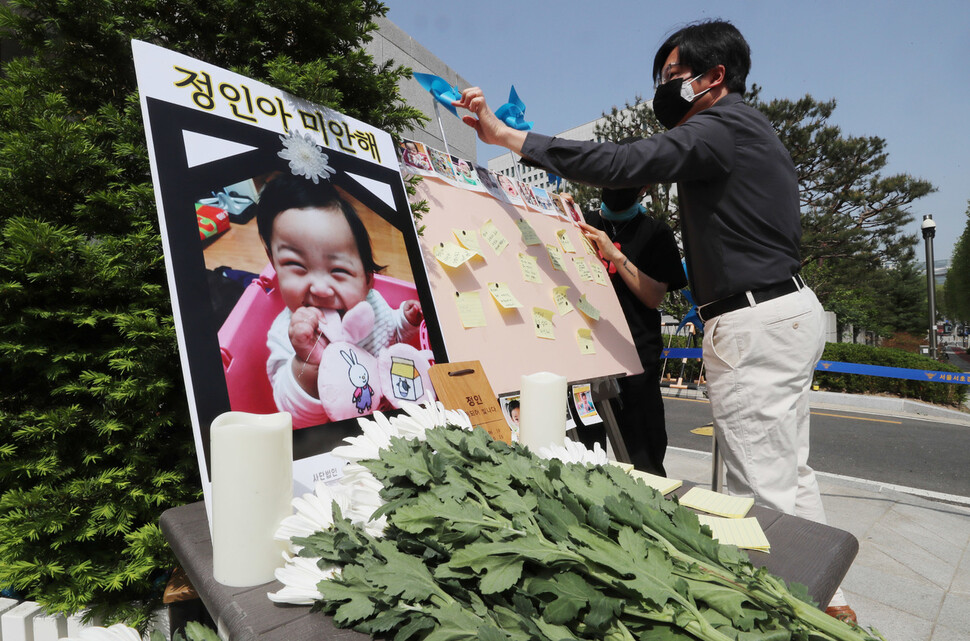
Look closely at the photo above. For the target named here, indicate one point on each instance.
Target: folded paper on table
(734, 507)
(743, 533)
(660, 483)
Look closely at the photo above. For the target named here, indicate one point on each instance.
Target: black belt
(760, 295)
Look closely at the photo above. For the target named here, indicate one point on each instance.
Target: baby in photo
(324, 262)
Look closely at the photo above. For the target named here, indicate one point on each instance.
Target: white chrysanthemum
(116, 632)
(353, 472)
(314, 512)
(306, 157)
(300, 577)
(574, 452)
(365, 499)
(435, 414)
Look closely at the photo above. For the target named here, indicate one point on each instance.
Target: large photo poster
(296, 279)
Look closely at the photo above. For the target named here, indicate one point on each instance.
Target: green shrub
(95, 436)
(927, 391)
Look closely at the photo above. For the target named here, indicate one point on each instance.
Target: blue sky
(895, 68)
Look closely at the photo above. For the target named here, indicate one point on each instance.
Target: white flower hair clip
(306, 157)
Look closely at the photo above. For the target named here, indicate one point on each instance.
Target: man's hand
(489, 128)
(598, 237)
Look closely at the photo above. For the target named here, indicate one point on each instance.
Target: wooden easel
(605, 389)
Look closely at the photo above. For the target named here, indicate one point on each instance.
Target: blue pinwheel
(440, 89)
(691, 316)
(512, 113)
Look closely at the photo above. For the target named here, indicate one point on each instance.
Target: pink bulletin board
(507, 345)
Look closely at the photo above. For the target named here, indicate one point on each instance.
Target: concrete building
(503, 164)
(392, 43)
(538, 177)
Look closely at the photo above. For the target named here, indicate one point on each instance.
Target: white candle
(542, 410)
(252, 492)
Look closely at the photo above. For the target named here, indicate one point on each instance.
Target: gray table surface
(815, 555)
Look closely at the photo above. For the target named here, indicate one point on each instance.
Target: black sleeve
(661, 258)
(700, 149)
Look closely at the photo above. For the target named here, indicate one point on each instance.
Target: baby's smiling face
(317, 260)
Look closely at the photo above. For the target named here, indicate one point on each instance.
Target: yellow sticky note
(587, 245)
(470, 309)
(564, 242)
(716, 503)
(587, 308)
(579, 262)
(451, 254)
(530, 268)
(662, 484)
(584, 338)
(529, 236)
(468, 240)
(743, 533)
(494, 237)
(563, 306)
(542, 318)
(503, 296)
(599, 273)
(555, 255)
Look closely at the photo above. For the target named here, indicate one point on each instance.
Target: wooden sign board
(463, 386)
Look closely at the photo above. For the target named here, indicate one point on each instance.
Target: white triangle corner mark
(203, 148)
(376, 187)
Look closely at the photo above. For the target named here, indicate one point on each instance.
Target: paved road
(899, 450)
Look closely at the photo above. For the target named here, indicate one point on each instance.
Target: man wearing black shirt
(741, 225)
(644, 264)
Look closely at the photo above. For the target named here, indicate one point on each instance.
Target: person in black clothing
(740, 216)
(644, 264)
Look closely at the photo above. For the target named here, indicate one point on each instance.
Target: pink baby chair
(242, 338)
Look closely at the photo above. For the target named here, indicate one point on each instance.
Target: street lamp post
(929, 231)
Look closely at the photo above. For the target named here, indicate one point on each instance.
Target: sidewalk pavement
(911, 578)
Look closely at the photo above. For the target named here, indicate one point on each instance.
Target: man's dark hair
(287, 191)
(704, 45)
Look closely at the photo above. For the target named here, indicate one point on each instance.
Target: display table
(815, 555)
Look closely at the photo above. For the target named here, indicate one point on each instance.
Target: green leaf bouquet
(476, 539)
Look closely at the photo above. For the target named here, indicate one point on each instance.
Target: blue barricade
(836, 367)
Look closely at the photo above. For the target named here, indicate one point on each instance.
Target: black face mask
(673, 100)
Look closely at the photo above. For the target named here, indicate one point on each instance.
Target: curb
(856, 403)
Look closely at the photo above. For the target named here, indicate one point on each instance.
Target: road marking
(872, 485)
(703, 430)
(858, 418)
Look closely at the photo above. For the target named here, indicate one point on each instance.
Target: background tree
(854, 245)
(95, 437)
(956, 288)
(855, 251)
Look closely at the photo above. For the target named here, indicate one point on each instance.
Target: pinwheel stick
(437, 115)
